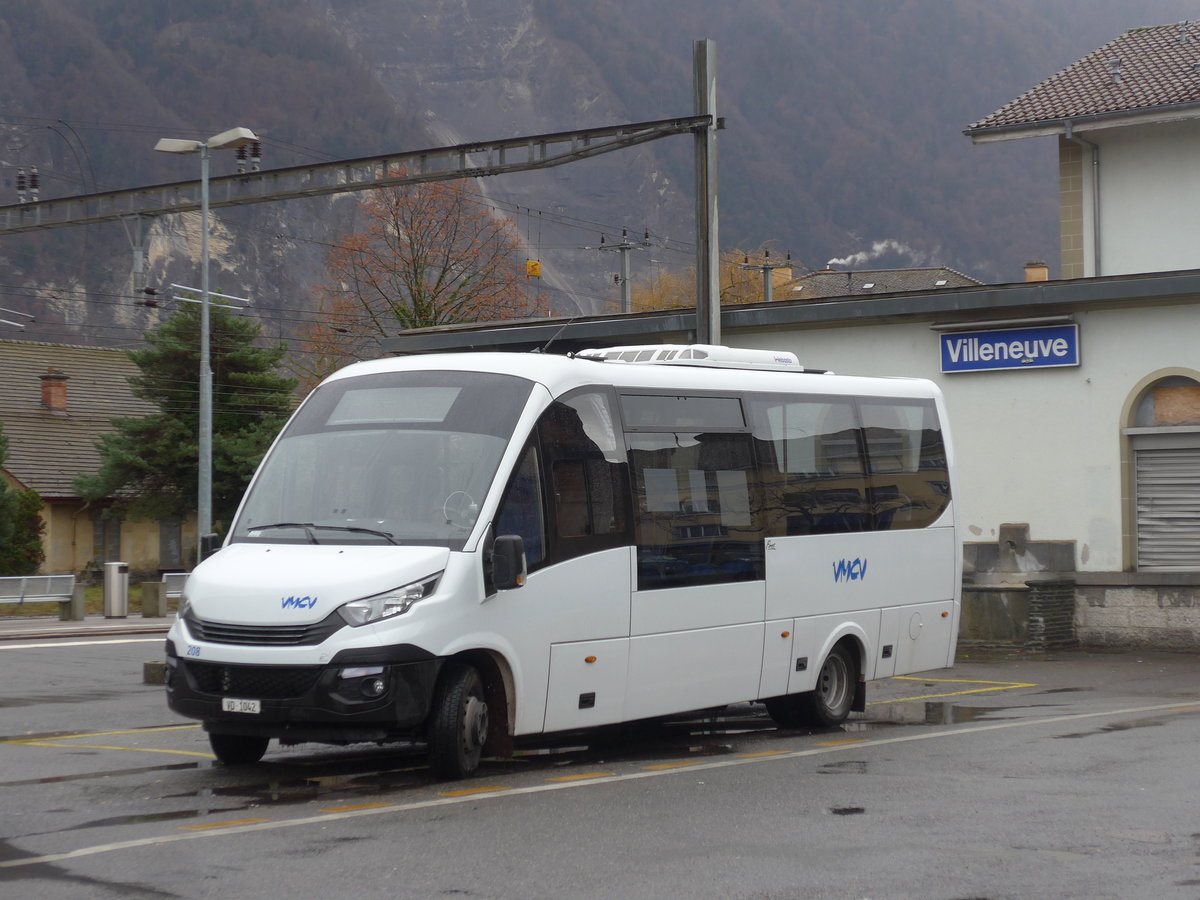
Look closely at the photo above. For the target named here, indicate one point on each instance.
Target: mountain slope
(843, 139)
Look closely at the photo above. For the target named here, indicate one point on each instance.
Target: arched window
(1164, 473)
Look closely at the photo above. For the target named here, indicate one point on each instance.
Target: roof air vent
(697, 355)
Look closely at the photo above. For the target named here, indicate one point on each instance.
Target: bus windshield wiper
(307, 526)
(312, 538)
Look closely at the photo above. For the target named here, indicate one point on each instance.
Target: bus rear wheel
(458, 727)
(829, 704)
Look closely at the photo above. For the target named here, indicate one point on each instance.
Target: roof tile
(1143, 69)
(830, 283)
(47, 449)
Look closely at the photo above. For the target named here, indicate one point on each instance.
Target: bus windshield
(395, 458)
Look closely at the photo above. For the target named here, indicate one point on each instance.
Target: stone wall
(1036, 615)
(1023, 593)
(1051, 613)
(1138, 609)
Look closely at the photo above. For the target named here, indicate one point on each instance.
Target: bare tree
(430, 254)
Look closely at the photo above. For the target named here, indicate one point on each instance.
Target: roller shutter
(1167, 493)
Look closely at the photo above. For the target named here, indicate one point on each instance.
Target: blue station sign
(1010, 348)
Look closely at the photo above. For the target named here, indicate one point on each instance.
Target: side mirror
(508, 562)
(209, 544)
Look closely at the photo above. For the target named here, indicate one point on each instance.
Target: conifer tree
(149, 466)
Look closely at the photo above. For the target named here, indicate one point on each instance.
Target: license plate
(238, 705)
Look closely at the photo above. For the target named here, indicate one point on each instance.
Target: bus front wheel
(237, 749)
(830, 703)
(458, 727)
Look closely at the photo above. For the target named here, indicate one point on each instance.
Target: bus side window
(697, 508)
(909, 482)
(521, 511)
(810, 452)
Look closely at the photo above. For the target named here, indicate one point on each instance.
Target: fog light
(372, 687)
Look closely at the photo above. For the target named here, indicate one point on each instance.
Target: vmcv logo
(298, 602)
(850, 570)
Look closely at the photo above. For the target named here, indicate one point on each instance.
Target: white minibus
(468, 548)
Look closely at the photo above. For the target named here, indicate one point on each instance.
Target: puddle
(844, 767)
(1114, 727)
(143, 818)
(282, 792)
(931, 712)
(858, 727)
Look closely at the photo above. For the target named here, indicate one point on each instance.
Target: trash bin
(116, 590)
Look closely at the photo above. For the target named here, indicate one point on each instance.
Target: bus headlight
(388, 604)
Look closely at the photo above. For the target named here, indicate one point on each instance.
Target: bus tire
(458, 726)
(830, 703)
(237, 749)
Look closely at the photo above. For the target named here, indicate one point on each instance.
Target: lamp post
(226, 140)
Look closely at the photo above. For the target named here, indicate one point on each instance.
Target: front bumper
(309, 703)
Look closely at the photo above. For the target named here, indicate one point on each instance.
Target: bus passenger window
(909, 483)
(696, 508)
(810, 452)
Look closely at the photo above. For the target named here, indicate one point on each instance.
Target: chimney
(54, 391)
(1037, 271)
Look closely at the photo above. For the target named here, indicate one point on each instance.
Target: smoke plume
(878, 248)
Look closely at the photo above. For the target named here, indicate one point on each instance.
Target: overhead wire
(281, 315)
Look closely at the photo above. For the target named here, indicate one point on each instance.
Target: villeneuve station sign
(1010, 348)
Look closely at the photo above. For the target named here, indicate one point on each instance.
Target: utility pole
(766, 267)
(624, 247)
(708, 252)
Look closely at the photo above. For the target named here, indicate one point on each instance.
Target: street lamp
(226, 140)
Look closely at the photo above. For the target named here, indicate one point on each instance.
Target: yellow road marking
(583, 776)
(94, 734)
(761, 753)
(67, 741)
(355, 807)
(842, 743)
(662, 767)
(466, 792)
(991, 687)
(231, 824)
(62, 746)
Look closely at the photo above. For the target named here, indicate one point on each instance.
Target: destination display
(1010, 348)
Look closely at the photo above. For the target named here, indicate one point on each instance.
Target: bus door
(696, 617)
(569, 499)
